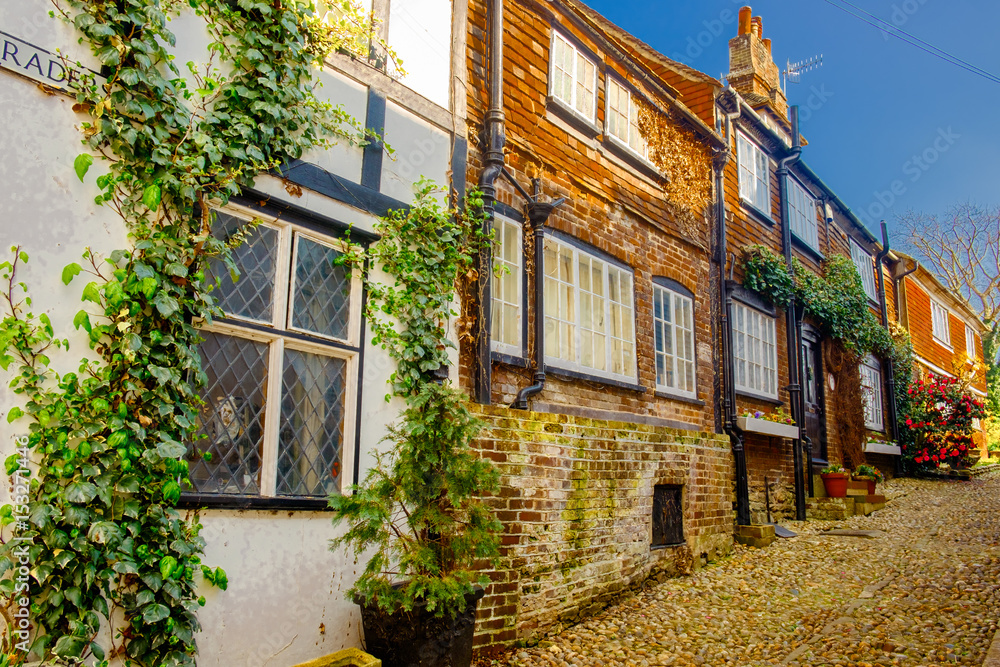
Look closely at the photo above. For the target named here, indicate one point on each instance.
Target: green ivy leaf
(91, 292)
(81, 492)
(82, 319)
(167, 566)
(69, 272)
(155, 613)
(14, 413)
(165, 305)
(81, 164)
(151, 197)
(69, 646)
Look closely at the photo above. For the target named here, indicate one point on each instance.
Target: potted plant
(418, 517)
(870, 474)
(835, 480)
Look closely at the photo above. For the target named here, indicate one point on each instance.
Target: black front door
(812, 392)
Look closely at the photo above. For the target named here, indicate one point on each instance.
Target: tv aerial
(793, 71)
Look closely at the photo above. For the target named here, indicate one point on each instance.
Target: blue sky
(877, 103)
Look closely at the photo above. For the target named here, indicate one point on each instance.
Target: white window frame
(755, 351)
(579, 59)
(671, 300)
(970, 344)
(865, 265)
(275, 334)
(554, 325)
(631, 138)
(514, 268)
(754, 166)
(802, 214)
(871, 394)
(940, 323)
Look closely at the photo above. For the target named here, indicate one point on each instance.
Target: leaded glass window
(280, 364)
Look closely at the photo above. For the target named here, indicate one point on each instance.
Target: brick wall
(612, 205)
(576, 504)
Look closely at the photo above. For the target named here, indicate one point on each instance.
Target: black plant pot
(418, 639)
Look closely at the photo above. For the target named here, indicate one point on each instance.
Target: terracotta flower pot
(871, 483)
(835, 484)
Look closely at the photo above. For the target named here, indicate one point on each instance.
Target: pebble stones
(923, 590)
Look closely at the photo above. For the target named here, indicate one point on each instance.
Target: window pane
(312, 424)
(585, 88)
(322, 290)
(252, 295)
(232, 419)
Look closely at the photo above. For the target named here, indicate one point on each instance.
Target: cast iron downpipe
(538, 215)
(493, 142)
(725, 308)
(792, 322)
(890, 370)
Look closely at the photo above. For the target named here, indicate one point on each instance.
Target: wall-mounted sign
(35, 62)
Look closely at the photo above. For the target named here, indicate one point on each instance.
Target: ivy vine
(836, 300)
(98, 525)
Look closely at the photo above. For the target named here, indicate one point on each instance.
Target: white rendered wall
(285, 601)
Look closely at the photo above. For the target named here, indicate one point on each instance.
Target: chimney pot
(767, 45)
(745, 17)
(758, 23)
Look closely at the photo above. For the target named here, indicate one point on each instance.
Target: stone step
(758, 535)
(829, 509)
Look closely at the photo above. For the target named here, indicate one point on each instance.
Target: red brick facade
(579, 468)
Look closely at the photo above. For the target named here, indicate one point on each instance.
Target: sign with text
(35, 62)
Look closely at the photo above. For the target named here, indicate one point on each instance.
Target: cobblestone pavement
(926, 592)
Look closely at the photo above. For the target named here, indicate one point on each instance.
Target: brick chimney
(752, 72)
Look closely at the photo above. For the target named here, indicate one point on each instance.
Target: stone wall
(576, 504)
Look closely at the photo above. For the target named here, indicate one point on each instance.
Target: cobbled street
(924, 591)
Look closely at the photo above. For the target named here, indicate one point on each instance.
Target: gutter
(890, 370)
(729, 423)
(538, 215)
(793, 323)
(493, 162)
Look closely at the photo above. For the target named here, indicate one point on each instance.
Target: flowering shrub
(778, 416)
(833, 468)
(940, 422)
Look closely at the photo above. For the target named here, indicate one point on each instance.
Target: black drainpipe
(729, 424)
(792, 322)
(538, 215)
(890, 370)
(493, 141)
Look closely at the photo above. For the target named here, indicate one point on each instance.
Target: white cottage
(295, 402)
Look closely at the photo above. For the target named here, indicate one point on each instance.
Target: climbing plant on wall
(836, 300)
(97, 525)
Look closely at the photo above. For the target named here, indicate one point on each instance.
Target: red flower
(909, 422)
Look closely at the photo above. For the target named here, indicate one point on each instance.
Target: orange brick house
(594, 356)
(946, 333)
